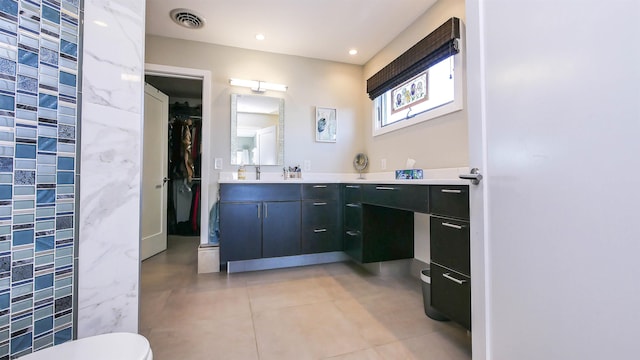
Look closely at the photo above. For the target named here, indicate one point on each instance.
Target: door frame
(478, 194)
(205, 170)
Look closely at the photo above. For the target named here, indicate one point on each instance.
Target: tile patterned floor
(334, 311)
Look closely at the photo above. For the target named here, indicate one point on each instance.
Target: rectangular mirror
(257, 130)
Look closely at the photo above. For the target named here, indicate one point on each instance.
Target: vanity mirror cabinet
(257, 130)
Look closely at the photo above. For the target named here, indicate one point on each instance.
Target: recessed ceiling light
(260, 37)
(353, 52)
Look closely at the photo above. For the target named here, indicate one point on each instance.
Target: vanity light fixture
(258, 86)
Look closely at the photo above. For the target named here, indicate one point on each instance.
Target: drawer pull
(353, 205)
(352, 233)
(319, 230)
(266, 209)
(384, 188)
(457, 281)
(319, 203)
(319, 186)
(353, 186)
(453, 226)
(451, 191)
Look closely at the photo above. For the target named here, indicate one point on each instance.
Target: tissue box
(409, 174)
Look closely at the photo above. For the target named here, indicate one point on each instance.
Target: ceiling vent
(187, 18)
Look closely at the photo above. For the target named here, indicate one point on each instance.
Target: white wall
(311, 83)
(437, 143)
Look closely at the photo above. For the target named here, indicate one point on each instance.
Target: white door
(554, 119)
(266, 141)
(154, 171)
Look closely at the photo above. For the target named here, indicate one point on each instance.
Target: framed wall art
(326, 124)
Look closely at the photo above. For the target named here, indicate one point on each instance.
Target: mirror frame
(234, 128)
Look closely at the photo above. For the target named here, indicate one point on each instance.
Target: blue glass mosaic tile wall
(38, 97)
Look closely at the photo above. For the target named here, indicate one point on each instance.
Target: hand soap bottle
(241, 175)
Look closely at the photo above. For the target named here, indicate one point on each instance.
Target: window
(420, 84)
(434, 92)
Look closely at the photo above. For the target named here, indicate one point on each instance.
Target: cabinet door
(281, 228)
(240, 231)
(451, 294)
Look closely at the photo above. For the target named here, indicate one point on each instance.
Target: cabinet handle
(319, 186)
(453, 226)
(353, 205)
(353, 186)
(384, 188)
(266, 209)
(259, 207)
(451, 191)
(352, 233)
(457, 281)
(319, 230)
(319, 203)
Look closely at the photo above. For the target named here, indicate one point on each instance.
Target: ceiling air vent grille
(187, 18)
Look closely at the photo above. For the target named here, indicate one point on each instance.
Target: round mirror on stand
(360, 163)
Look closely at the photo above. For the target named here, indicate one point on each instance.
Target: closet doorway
(187, 131)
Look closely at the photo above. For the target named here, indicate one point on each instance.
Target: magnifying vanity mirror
(257, 130)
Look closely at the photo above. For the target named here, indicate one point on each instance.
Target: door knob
(474, 176)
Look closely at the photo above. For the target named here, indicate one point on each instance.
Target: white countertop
(448, 176)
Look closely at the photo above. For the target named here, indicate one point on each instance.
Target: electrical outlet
(383, 164)
(217, 164)
(306, 165)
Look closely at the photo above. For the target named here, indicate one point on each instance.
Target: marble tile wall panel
(110, 166)
(38, 118)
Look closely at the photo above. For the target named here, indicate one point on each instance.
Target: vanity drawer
(353, 244)
(320, 191)
(406, 197)
(450, 243)
(317, 239)
(451, 294)
(450, 200)
(259, 192)
(353, 216)
(352, 193)
(320, 213)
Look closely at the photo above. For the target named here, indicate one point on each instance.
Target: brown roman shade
(435, 47)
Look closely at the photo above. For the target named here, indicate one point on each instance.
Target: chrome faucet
(257, 172)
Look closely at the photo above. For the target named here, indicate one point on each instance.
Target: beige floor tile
(285, 294)
(368, 354)
(230, 338)
(434, 346)
(330, 311)
(313, 331)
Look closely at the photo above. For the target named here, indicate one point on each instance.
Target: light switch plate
(383, 164)
(217, 164)
(306, 165)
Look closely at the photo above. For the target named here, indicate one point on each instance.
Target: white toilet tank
(121, 346)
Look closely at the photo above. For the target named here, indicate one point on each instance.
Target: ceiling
(321, 29)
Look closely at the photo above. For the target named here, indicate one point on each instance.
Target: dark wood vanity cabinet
(450, 252)
(321, 218)
(259, 221)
